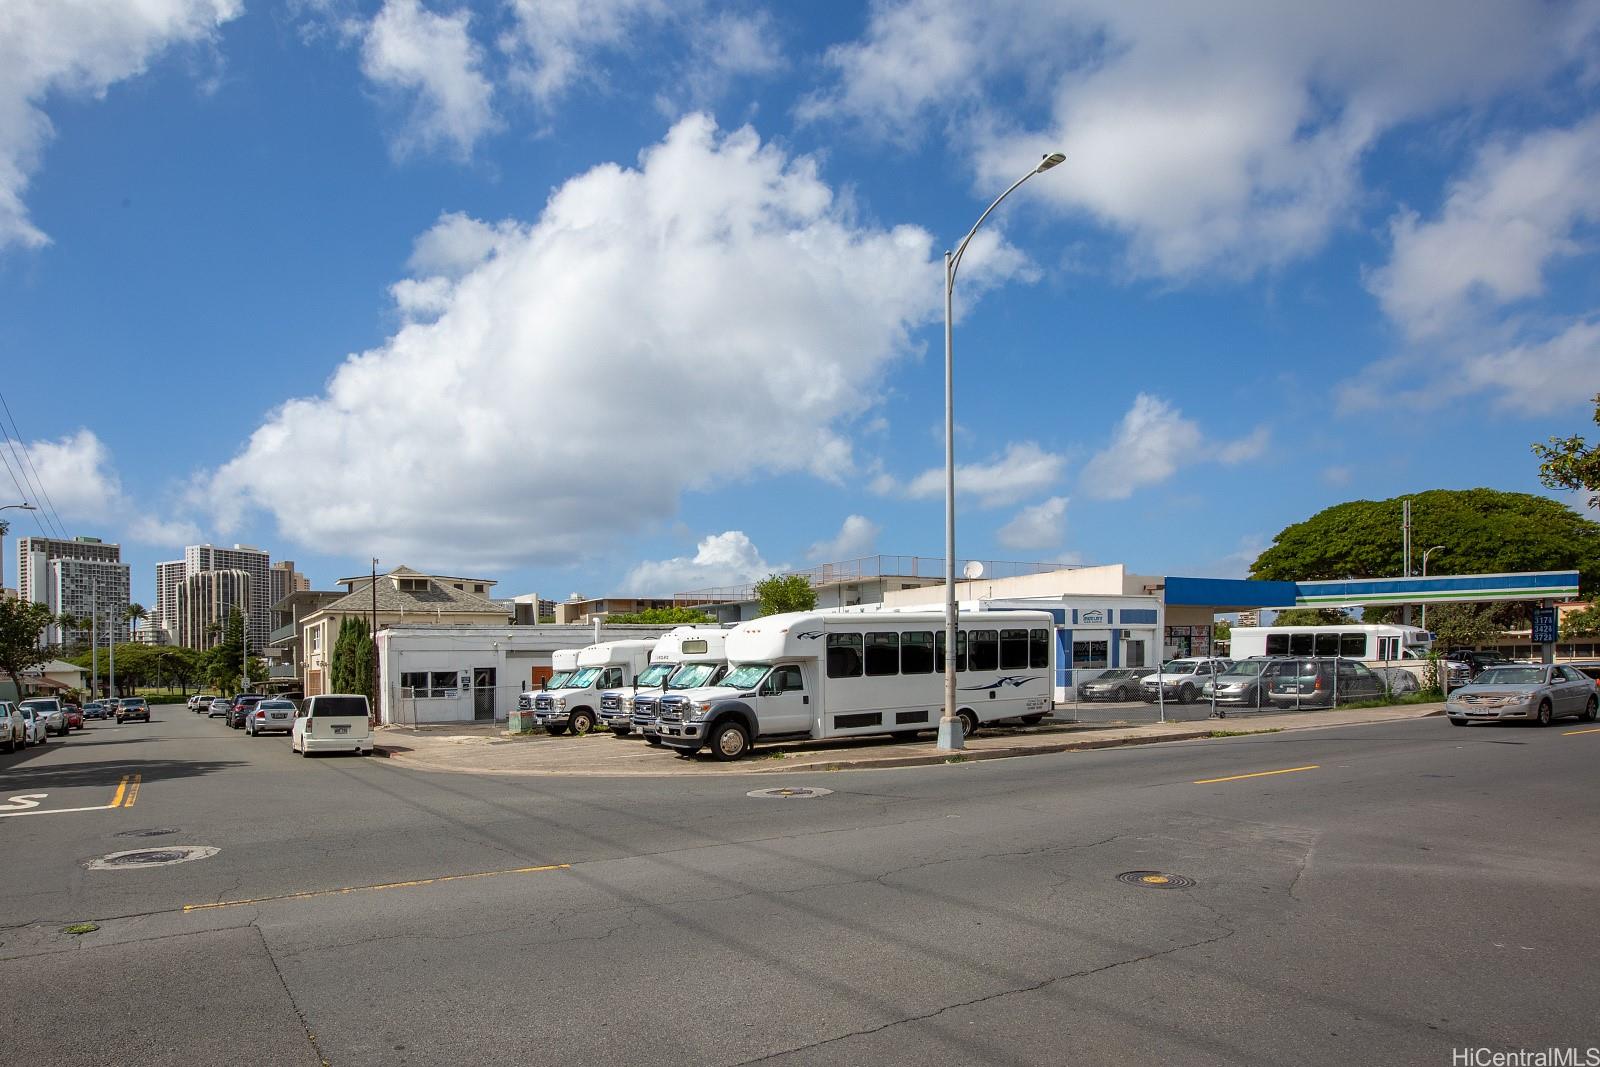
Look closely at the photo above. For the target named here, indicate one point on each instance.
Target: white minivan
(332, 722)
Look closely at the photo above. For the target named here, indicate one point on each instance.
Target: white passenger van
(1368, 642)
(809, 674)
(332, 722)
(563, 661)
(575, 705)
(687, 657)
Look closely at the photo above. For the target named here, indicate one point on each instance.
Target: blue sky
(632, 295)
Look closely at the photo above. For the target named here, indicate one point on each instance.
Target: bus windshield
(557, 680)
(654, 673)
(747, 676)
(692, 676)
(582, 678)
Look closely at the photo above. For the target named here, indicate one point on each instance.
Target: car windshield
(1512, 676)
(1177, 666)
(656, 673)
(582, 679)
(1247, 668)
(692, 676)
(747, 676)
(1111, 676)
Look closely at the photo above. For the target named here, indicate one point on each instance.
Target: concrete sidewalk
(483, 749)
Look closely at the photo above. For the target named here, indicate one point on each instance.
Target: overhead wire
(16, 432)
(22, 493)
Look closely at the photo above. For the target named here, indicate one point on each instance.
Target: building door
(483, 694)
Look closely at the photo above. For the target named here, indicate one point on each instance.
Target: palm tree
(136, 614)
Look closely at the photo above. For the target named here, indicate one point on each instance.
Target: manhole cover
(1155, 880)
(788, 793)
(151, 857)
(154, 831)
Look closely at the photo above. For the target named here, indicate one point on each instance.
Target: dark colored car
(1323, 683)
(1478, 662)
(133, 708)
(243, 705)
(1119, 683)
(1246, 684)
(95, 710)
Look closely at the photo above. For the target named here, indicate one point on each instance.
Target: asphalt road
(1412, 889)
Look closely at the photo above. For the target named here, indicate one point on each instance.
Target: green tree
(224, 664)
(22, 625)
(135, 614)
(779, 593)
(661, 616)
(353, 654)
(1312, 617)
(1585, 623)
(1572, 463)
(1464, 625)
(1483, 531)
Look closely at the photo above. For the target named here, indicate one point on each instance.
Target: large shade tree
(1482, 531)
(1572, 463)
(22, 626)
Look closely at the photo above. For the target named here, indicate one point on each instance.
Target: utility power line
(16, 431)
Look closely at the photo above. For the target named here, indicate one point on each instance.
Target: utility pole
(373, 637)
(1405, 538)
(94, 638)
(111, 657)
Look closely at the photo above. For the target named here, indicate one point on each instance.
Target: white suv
(1180, 680)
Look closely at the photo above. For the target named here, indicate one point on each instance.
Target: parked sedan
(1526, 693)
(1119, 684)
(1246, 683)
(48, 710)
(1324, 683)
(74, 716)
(219, 706)
(270, 716)
(35, 725)
(13, 727)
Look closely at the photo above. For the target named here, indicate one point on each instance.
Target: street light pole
(950, 733)
(24, 506)
(1426, 553)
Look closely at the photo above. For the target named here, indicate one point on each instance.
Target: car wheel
(1222, 713)
(654, 739)
(1186, 695)
(1121, 693)
(1457, 722)
(969, 721)
(729, 740)
(1544, 713)
(581, 722)
(1592, 711)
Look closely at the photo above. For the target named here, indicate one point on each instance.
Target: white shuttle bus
(563, 661)
(575, 705)
(814, 675)
(1368, 642)
(686, 657)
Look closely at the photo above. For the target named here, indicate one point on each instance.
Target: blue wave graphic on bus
(1015, 681)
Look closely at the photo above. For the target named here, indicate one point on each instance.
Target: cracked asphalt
(1416, 889)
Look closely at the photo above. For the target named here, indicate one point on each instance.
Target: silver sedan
(1531, 693)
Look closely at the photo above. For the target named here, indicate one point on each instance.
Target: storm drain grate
(789, 793)
(151, 857)
(1155, 880)
(154, 831)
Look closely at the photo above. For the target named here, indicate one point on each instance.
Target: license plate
(280, 715)
(341, 729)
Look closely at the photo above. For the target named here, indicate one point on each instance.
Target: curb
(964, 756)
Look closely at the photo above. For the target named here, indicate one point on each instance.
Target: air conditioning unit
(1126, 635)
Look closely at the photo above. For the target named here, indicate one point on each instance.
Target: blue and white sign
(1545, 631)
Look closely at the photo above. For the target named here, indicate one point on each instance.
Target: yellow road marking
(116, 801)
(116, 798)
(385, 885)
(1574, 733)
(133, 791)
(1257, 774)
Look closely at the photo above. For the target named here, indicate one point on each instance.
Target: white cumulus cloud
(77, 48)
(1153, 440)
(1223, 136)
(432, 61)
(857, 537)
(717, 267)
(723, 559)
(80, 483)
(1022, 470)
(1041, 526)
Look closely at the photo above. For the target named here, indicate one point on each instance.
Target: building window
(424, 685)
(1088, 654)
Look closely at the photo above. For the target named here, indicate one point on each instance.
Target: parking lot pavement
(477, 750)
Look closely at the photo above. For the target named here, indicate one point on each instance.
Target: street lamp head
(1051, 160)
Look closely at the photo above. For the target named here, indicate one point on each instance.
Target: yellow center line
(1257, 774)
(1574, 733)
(133, 791)
(386, 885)
(116, 798)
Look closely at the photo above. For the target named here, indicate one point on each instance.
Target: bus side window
(1302, 644)
(844, 655)
(883, 654)
(1013, 650)
(1277, 644)
(916, 652)
(1038, 648)
(1327, 644)
(985, 650)
(1353, 646)
(961, 651)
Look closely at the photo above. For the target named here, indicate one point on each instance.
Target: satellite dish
(973, 570)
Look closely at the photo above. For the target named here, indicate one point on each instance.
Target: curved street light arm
(955, 258)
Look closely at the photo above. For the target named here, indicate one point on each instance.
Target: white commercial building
(453, 674)
(75, 576)
(255, 563)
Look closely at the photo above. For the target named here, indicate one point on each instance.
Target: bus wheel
(1033, 720)
(556, 729)
(969, 722)
(620, 731)
(581, 722)
(729, 740)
